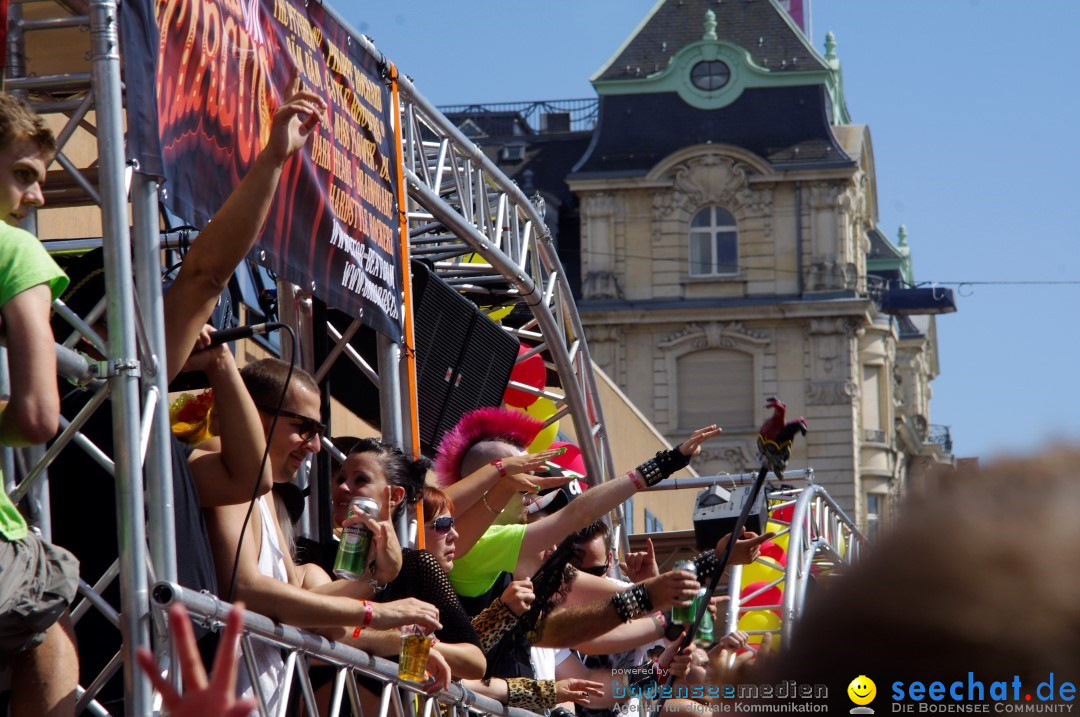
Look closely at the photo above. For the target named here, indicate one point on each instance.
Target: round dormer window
(710, 75)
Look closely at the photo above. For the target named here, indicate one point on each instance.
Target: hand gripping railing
(822, 541)
(348, 663)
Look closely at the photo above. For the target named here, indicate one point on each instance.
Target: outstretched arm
(232, 232)
(597, 501)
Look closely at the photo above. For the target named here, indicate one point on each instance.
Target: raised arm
(516, 477)
(226, 469)
(232, 232)
(603, 498)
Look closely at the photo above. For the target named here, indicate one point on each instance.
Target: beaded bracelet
(488, 505)
(369, 615)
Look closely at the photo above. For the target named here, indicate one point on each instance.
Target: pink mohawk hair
(483, 424)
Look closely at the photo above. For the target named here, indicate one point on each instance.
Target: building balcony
(940, 435)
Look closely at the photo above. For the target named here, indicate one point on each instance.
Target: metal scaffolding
(459, 203)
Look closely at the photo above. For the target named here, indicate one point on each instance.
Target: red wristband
(369, 615)
(500, 466)
(636, 480)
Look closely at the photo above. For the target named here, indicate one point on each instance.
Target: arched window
(714, 243)
(716, 386)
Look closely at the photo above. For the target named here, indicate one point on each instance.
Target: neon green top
(24, 263)
(496, 552)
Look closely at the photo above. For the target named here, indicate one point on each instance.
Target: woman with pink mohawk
(482, 463)
(487, 447)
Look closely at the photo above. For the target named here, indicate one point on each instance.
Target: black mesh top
(423, 579)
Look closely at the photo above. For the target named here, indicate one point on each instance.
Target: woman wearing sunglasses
(380, 471)
(440, 537)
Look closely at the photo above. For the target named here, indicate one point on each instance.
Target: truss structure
(459, 204)
(822, 542)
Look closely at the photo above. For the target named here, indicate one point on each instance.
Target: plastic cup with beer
(415, 646)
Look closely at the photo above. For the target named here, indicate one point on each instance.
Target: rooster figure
(775, 437)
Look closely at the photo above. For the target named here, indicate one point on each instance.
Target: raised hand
(407, 611)
(692, 445)
(577, 690)
(519, 472)
(518, 596)
(387, 555)
(204, 357)
(202, 697)
(675, 588)
(747, 548)
(294, 120)
(641, 566)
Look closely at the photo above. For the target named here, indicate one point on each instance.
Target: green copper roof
(672, 64)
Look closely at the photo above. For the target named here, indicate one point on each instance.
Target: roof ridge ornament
(710, 25)
(830, 49)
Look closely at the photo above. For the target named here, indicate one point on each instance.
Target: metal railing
(581, 114)
(940, 435)
(822, 541)
(348, 663)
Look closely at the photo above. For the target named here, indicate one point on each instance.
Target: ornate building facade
(727, 233)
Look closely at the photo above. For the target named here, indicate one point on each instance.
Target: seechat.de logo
(862, 692)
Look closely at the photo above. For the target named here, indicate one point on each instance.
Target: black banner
(203, 78)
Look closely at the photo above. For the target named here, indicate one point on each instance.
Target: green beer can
(686, 615)
(352, 556)
(705, 630)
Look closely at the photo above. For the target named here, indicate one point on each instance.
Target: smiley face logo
(862, 690)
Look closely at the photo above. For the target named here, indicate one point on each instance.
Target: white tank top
(268, 659)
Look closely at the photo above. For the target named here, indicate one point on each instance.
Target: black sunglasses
(309, 427)
(597, 570)
(442, 525)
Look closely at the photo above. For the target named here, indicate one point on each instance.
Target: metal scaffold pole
(124, 368)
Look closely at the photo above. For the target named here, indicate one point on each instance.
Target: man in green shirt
(37, 580)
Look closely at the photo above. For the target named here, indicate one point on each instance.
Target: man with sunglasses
(258, 560)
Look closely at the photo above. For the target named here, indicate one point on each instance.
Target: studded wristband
(663, 464)
(632, 603)
(706, 564)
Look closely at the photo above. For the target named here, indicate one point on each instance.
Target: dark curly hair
(400, 470)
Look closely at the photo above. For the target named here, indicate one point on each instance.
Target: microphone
(241, 332)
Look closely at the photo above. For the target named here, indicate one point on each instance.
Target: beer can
(705, 630)
(686, 615)
(352, 556)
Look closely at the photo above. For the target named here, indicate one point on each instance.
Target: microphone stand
(740, 523)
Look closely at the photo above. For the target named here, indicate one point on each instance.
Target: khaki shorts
(37, 583)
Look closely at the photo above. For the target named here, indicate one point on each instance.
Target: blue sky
(973, 106)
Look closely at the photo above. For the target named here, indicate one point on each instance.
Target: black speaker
(715, 515)
(463, 359)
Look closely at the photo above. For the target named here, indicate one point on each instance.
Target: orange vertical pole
(406, 290)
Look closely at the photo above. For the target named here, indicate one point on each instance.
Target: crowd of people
(517, 583)
(509, 588)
